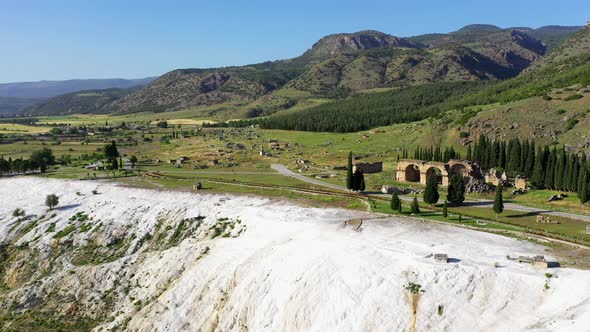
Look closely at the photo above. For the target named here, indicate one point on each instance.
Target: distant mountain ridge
(18, 97)
(339, 65)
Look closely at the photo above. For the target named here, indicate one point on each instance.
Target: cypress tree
(559, 170)
(395, 202)
(349, 172)
(538, 177)
(549, 174)
(503, 155)
(431, 191)
(415, 207)
(361, 181)
(445, 212)
(583, 192)
(498, 201)
(523, 155)
(582, 170)
(575, 174)
(530, 160)
(114, 164)
(496, 154)
(456, 190)
(514, 156)
(358, 181)
(468, 156)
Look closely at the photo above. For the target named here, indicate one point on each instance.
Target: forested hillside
(366, 111)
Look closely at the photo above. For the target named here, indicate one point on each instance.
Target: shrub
(570, 124)
(18, 212)
(547, 97)
(464, 134)
(573, 97)
(414, 288)
(560, 111)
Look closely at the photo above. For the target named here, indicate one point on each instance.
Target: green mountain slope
(362, 112)
(336, 67)
(81, 102)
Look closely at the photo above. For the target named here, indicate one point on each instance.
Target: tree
(456, 190)
(445, 210)
(349, 184)
(538, 178)
(362, 186)
(498, 201)
(110, 151)
(415, 207)
(51, 201)
(114, 164)
(395, 202)
(42, 158)
(162, 124)
(559, 170)
(583, 194)
(358, 181)
(133, 160)
(431, 191)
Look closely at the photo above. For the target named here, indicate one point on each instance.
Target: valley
(373, 182)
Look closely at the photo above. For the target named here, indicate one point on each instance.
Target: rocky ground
(116, 258)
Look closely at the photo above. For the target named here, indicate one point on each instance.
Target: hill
(17, 97)
(47, 89)
(340, 65)
(81, 102)
(568, 69)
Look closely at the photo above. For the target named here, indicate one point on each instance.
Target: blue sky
(60, 39)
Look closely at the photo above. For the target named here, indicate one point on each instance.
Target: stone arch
(412, 173)
(434, 171)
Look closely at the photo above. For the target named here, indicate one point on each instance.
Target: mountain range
(15, 97)
(335, 67)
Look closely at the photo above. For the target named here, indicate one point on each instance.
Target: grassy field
(20, 149)
(12, 128)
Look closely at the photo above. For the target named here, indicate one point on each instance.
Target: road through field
(283, 170)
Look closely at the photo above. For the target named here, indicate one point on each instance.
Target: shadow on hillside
(68, 207)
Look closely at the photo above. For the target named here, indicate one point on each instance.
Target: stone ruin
(494, 177)
(546, 220)
(557, 197)
(389, 189)
(411, 170)
(520, 183)
(478, 186)
(368, 168)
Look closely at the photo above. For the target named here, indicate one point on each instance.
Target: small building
(519, 183)
(97, 166)
(197, 186)
(172, 161)
(441, 258)
(213, 162)
(537, 261)
(368, 168)
(494, 177)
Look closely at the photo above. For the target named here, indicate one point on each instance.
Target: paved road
(283, 170)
